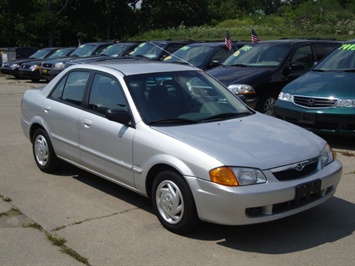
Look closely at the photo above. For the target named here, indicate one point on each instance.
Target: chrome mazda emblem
(299, 167)
(311, 102)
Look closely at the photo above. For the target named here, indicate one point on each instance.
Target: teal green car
(323, 100)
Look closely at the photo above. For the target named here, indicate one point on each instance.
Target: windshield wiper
(240, 65)
(226, 116)
(172, 121)
(348, 70)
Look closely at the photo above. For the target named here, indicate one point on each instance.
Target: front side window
(106, 93)
(303, 55)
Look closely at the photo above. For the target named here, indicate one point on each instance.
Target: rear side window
(71, 88)
(322, 49)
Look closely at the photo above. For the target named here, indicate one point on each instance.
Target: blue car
(323, 100)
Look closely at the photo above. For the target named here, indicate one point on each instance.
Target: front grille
(296, 171)
(47, 65)
(23, 66)
(311, 102)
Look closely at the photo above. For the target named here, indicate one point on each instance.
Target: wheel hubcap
(269, 106)
(41, 150)
(170, 202)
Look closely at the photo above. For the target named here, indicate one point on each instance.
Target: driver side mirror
(120, 116)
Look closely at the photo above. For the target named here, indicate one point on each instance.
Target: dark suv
(259, 71)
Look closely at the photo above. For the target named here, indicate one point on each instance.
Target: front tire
(43, 152)
(173, 203)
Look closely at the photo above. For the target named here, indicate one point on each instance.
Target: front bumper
(337, 121)
(259, 203)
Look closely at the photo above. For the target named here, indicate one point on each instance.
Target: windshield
(84, 50)
(116, 50)
(61, 53)
(259, 55)
(190, 54)
(40, 54)
(341, 59)
(149, 50)
(183, 97)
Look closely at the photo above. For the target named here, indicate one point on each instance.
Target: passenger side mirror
(297, 66)
(213, 64)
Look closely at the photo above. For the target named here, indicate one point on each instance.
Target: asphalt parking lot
(93, 222)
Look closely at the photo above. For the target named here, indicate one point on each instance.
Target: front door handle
(87, 122)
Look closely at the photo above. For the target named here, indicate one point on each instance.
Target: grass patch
(11, 212)
(60, 242)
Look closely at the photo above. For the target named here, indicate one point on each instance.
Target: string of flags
(228, 42)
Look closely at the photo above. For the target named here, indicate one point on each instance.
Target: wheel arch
(153, 172)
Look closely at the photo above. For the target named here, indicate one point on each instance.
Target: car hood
(33, 62)
(253, 141)
(19, 61)
(62, 59)
(323, 84)
(233, 74)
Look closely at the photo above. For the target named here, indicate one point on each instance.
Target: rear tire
(43, 152)
(173, 203)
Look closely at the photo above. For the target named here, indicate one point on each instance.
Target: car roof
(137, 67)
(301, 40)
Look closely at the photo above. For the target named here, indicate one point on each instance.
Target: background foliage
(43, 23)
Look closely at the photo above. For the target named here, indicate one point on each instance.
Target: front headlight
(346, 103)
(34, 67)
(14, 66)
(237, 176)
(241, 89)
(327, 156)
(59, 65)
(285, 97)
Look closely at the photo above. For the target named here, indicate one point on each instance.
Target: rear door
(62, 111)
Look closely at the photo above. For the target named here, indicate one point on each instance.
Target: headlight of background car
(237, 176)
(14, 66)
(346, 103)
(241, 89)
(285, 97)
(59, 65)
(327, 156)
(34, 67)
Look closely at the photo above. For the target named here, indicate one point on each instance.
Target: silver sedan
(176, 135)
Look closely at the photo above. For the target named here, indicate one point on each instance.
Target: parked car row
(256, 72)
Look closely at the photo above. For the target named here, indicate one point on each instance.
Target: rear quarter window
(322, 49)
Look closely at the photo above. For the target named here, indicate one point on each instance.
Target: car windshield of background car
(60, 53)
(84, 50)
(259, 55)
(193, 55)
(115, 50)
(148, 49)
(40, 54)
(341, 59)
(183, 97)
